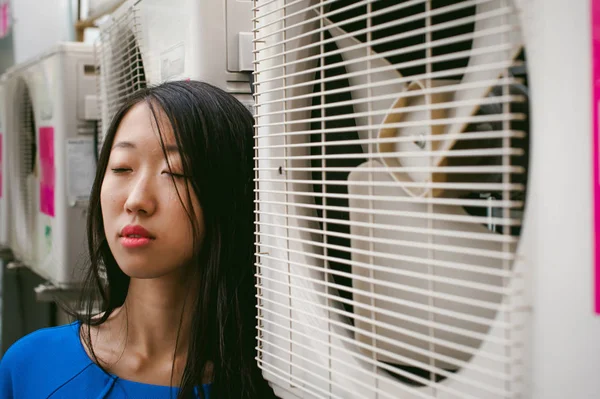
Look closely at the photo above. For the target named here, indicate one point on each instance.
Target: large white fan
(396, 145)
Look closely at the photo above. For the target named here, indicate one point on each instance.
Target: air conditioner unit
(146, 42)
(51, 120)
(102, 7)
(424, 215)
(5, 215)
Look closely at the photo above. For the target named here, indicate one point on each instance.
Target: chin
(144, 270)
(143, 273)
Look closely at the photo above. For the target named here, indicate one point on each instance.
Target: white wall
(39, 24)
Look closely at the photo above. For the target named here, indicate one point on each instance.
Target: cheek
(103, 196)
(103, 199)
(109, 198)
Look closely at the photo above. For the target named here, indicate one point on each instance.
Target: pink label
(3, 20)
(0, 165)
(596, 143)
(47, 172)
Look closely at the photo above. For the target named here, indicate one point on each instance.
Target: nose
(141, 198)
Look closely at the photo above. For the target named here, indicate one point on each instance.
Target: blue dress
(51, 363)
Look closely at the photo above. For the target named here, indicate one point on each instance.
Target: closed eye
(176, 175)
(121, 170)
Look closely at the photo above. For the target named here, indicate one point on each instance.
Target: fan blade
(489, 73)
(413, 247)
(417, 131)
(366, 86)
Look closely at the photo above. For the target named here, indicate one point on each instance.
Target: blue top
(52, 363)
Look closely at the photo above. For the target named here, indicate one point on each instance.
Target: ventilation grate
(26, 170)
(119, 60)
(391, 170)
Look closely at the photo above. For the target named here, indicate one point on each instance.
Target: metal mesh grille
(118, 54)
(26, 170)
(391, 167)
(86, 128)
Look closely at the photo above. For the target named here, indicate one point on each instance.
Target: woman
(170, 298)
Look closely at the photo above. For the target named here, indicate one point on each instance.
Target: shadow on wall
(7, 55)
(20, 312)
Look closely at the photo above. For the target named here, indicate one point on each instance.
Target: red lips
(135, 237)
(135, 230)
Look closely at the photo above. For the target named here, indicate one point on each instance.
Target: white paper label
(172, 62)
(81, 165)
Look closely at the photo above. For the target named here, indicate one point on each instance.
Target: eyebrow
(123, 144)
(129, 145)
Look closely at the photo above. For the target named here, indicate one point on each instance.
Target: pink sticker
(0, 165)
(3, 20)
(47, 178)
(596, 143)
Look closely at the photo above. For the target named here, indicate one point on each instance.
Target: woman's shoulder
(50, 352)
(45, 342)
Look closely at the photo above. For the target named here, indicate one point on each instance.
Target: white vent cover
(392, 165)
(118, 55)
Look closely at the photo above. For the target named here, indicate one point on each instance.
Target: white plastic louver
(392, 156)
(146, 42)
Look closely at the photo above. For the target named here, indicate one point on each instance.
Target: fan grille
(118, 54)
(26, 170)
(391, 158)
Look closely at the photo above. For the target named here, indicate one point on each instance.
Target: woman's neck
(139, 339)
(157, 315)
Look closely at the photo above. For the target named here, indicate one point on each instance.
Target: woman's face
(146, 225)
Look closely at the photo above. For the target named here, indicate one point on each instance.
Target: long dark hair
(214, 133)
